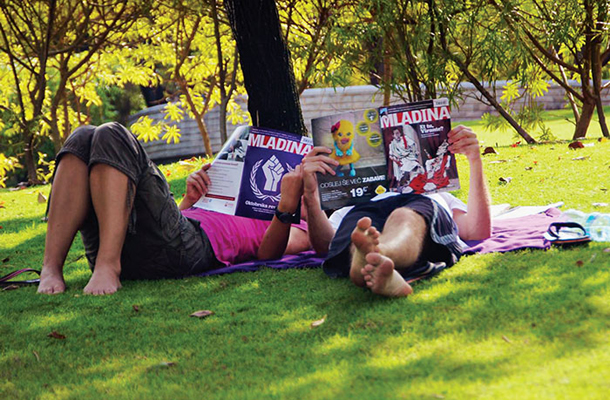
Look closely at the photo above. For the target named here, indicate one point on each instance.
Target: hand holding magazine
(246, 174)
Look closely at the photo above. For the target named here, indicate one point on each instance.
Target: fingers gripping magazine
(246, 174)
(402, 148)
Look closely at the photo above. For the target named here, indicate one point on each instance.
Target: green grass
(560, 122)
(522, 325)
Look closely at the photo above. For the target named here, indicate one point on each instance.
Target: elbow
(482, 233)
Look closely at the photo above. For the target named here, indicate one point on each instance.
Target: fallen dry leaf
(505, 180)
(202, 313)
(56, 335)
(136, 308)
(489, 150)
(498, 161)
(36, 355)
(11, 287)
(319, 322)
(162, 365)
(41, 198)
(576, 145)
(507, 340)
(580, 158)
(2, 204)
(580, 263)
(529, 168)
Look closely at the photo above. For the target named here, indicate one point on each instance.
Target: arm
(281, 238)
(475, 224)
(197, 185)
(320, 230)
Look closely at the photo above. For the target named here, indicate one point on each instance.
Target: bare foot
(365, 238)
(103, 281)
(382, 278)
(51, 282)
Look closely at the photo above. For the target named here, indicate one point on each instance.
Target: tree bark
(588, 108)
(273, 100)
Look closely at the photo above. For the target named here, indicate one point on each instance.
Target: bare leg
(399, 246)
(70, 203)
(365, 239)
(109, 193)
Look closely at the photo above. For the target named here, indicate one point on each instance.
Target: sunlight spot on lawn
(433, 294)
(337, 342)
(247, 287)
(601, 303)
(600, 278)
(324, 378)
(53, 321)
(12, 239)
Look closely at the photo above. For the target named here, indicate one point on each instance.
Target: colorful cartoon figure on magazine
(404, 153)
(344, 151)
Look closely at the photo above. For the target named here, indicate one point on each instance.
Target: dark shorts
(160, 241)
(441, 247)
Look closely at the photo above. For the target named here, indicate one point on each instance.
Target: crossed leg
(75, 190)
(377, 257)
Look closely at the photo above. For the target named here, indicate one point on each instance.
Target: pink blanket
(507, 235)
(516, 234)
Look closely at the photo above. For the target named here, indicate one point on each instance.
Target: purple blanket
(507, 235)
(516, 234)
(306, 259)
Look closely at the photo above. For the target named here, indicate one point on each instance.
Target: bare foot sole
(365, 238)
(382, 278)
(102, 282)
(51, 283)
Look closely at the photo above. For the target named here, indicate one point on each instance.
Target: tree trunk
(588, 108)
(596, 72)
(273, 100)
(222, 116)
(30, 163)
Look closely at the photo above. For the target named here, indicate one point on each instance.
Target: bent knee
(112, 134)
(407, 215)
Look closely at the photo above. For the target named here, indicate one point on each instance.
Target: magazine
(246, 174)
(401, 148)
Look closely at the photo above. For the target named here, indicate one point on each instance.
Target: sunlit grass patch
(529, 324)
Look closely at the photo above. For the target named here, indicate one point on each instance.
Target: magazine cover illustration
(271, 154)
(357, 144)
(246, 174)
(416, 145)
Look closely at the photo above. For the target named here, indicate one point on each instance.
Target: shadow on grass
(259, 342)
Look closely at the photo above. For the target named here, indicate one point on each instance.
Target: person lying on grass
(395, 238)
(106, 186)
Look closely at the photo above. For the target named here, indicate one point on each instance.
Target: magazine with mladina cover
(401, 148)
(246, 174)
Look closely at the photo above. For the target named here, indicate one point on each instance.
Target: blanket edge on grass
(507, 235)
